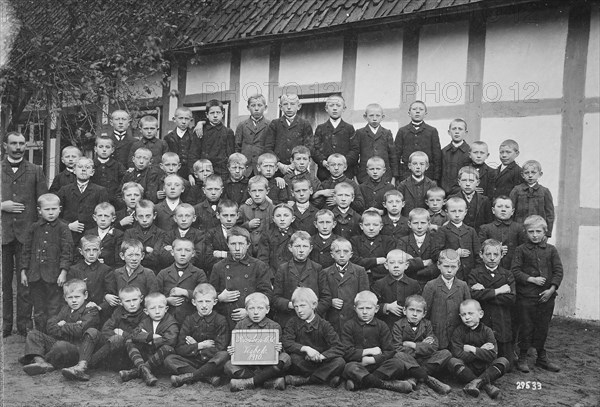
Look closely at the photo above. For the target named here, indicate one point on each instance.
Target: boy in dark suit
(301, 163)
(149, 129)
(335, 136)
(304, 211)
(374, 140)
(325, 223)
(121, 137)
(273, 244)
(181, 139)
(374, 188)
(22, 184)
(419, 136)
(235, 187)
(47, 255)
(394, 224)
(345, 280)
(184, 215)
(487, 175)
(152, 341)
(132, 193)
(287, 132)
(206, 211)
(151, 237)
(110, 238)
(414, 188)
(69, 157)
(325, 198)
(165, 210)
(508, 174)
(80, 199)
(215, 240)
(250, 135)
(133, 273)
(454, 156)
(108, 172)
(421, 246)
(479, 209)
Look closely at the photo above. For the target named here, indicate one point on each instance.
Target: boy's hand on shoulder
(61, 323)
(168, 248)
(76, 227)
(380, 260)
(477, 287)
(112, 300)
(479, 190)
(118, 331)
(92, 304)
(228, 296)
(280, 182)
(149, 249)
(487, 346)
(174, 301)
(209, 343)
(330, 201)
(432, 228)
(238, 314)
(161, 194)
(248, 201)
(337, 303)
(463, 252)
(127, 220)
(504, 250)
(191, 180)
(285, 169)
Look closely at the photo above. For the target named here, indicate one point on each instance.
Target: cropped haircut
(239, 231)
(490, 243)
(71, 148)
(455, 200)
(337, 243)
(448, 255)
(417, 102)
(370, 213)
(510, 143)
(289, 97)
(142, 150)
(131, 244)
(458, 120)
(343, 186)
(130, 289)
(305, 294)
(405, 256)
(200, 163)
(535, 220)
(418, 154)
(471, 301)
(169, 155)
(418, 212)
(504, 198)
(145, 204)
(373, 106)
(416, 299)
(335, 97)
(300, 235)
(47, 198)
(204, 289)
(214, 178)
(90, 239)
(300, 180)
(12, 133)
(337, 156)
(479, 143)
(392, 192)
(120, 111)
(283, 206)
(183, 109)
(154, 296)
(324, 212)
(227, 204)
(258, 298)
(375, 160)
(237, 158)
(300, 150)
(435, 191)
(74, 285)
(267, 157)
(365, 296)
(104, 138)
(532, 163)
(183, 240)
(258, 97)
(174, 176)
(469, 171)
(148, 119)
(183, 206)
(258, 179)
(86, 160)
(215, 103)
(132, 185)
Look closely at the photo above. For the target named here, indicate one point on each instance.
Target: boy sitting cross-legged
(370, 360)
(58, 348)
(200, 352)
(246, 377)
(152, 341)
(417, 345)
(108, 346)
(312, 343)
(474, 349)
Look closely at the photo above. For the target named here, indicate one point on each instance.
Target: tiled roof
(223, 21)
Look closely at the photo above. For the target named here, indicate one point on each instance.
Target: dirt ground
(575, 346)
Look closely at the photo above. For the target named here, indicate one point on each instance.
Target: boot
(277, 384)
(241, 384)
(335, 382)
(399, 386)
(147, 375)
(413, 382)
(296, 380)
(437, 386)
(180, 380)
(39, 366)
(522, 364)
(543, 362)
(491, 390)
(127, 375)
(472, 388)
(351, 385)
(216, 381)
(77, 372)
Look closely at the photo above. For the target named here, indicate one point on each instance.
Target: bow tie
(15, 165)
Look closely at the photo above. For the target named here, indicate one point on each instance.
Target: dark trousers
(248, 371)
(47, 300)
(11, 257)
(433, 364)
(57, 353)
(141, 353)
(534, 322)
(178, 364)
(488, 372)
(390, 369)
(322, 372)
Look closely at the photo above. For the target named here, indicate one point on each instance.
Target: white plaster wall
(254, 76)
(379, 69)
(210, 74)
(442, 66)
(587, 301)
(589, 195)
(592, 79)
(524, 56)
(538, 138)
(310, 61)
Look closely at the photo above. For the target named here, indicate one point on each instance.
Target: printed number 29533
(529, 385)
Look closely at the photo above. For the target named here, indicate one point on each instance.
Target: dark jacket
(169, 278)
(506, 180)
(305, 221)
(365, 252)
(273, 247)
(482, 358)
(347, 223)
(111, 246)
(509, 233)
(465, 237)
(373, 192)
(321, 252)
(403, 331)
(250, 140)
(153, 237)
(388, 290)
(341, 140)
(453, 159)
(281, 138)
(121, 319)
(109, 175)
(359, 201)
(167, 328)
(535, 200)
(479, 210)
(380, 144)
(217, 144)
(359, 335)
(156, 146)
(398, 230)
(97, 277)
(62, 179)
(77, 322)
(536, 260)
(318, 334)
(426, 139)
(80, 206)
(182, 147)
(211, 327)
(414, 193)
(121, 153)
(142, 278)
(429, 250)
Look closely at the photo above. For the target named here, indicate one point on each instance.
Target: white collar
(374, 129)
(103, 160)
(180, 132)
(335, 122)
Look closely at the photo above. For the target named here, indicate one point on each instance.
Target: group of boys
(345, 271)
